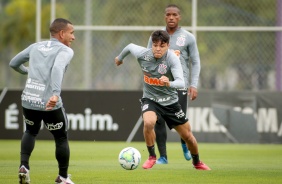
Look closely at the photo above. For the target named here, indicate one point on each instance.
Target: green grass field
(97, 162)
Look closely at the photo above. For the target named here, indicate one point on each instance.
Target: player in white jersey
(41, 100)
(185, 47)
(162, 75)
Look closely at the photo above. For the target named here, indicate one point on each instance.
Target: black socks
(151, 150)
(195, 158)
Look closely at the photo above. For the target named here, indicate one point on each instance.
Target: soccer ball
(129, 158)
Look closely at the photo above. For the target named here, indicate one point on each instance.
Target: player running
(184, 45)
(162, 75)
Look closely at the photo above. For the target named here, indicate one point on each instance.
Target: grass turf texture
(97, 162)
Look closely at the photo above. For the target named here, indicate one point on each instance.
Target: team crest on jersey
(180, 40)
(162, 69)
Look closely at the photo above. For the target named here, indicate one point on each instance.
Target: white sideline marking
(134, 130)
(3, 94)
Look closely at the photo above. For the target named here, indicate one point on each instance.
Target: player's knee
(188, 137)
(33, 133)
(149, 125)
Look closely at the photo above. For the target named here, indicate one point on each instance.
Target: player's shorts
(55, 121)
(183, 98)
(172, 114)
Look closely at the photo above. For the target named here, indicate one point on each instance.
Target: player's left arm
(134, 49)
(60, 66)
(177, 72)
(195, 68)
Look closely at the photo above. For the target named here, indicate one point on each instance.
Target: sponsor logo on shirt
(161, 99)
(33, 93)
(32, 84)
(45, 48)
(153, 81)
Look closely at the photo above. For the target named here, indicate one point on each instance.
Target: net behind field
(238, 41)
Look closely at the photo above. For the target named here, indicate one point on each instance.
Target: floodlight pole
(194, 18)
(278, 51)
(38, 21)
(87, 41)
(53, 11)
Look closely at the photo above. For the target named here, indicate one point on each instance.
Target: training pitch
(97, 162)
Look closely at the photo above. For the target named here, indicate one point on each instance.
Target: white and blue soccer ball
(129, 158)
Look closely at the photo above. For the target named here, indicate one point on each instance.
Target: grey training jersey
(153, 69)
(48, 61)
(185, 42)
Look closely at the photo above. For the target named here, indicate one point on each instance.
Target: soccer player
(41, 100)
(162, 75)
(185, 46)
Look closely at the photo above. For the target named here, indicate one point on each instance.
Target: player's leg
(57, 123)
(32, 120)
(186, 134)
(149, 119)
(183, 101)
(161, 137)
(176, 118)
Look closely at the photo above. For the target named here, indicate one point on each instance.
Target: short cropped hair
(173, 6)
(160, 36)
(58, 25)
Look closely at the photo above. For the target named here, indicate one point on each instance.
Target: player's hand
(164, 80)
(118, 62)
(52, 102)
(193, 93)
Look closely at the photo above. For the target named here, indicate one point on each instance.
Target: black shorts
(172, 114)
(183, 98)
(55, 121)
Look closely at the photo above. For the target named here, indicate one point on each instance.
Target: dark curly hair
(160, 35)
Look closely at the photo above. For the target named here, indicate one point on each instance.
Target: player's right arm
(17, 63)
(131, 48)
